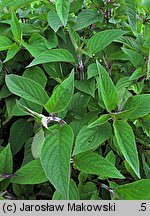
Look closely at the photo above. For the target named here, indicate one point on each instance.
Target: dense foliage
(75, 99)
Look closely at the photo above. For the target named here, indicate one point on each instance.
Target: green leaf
(86, 86)
(14, 4)
(137, 74)
(93, 163)
(37, 143)
(111, 157)
(5, 43)
(126, 141)
(133, 56)
(31, 173)
(54, 20)
(92, 70)
(55, 158)
(90, 138)
(28, 157)
(146, 167)
(138, 190)
(107, 89)
(20, 132)
(73, 192)
(55, 55)
(6, 162)
(101, 120)
(27, 89)
(87, 17)
(62, 8)
(148, 66)
(75, 39)
(142, 102)
(61, 96)
(16, 28)
(87, 190)
(124, 115)
(36, 74)
(33, 44)
(12, 51)
(132, 13)
(78, 104)
(102, 39)
(17, 110)
(75, 5)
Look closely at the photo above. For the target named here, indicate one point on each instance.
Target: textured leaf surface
(73, 192)
(12, 52)
(27, 89)
(62, 8)
(142, 102)
(16, 28)
(55, 55)
(90, 138)
(31, 173)
(102, 39)
(20, 131)
(6, 163)
(37, 143)
(133, 56)
(126, 142)
(55, 158)
(93, 163)
(87, 17)
(107, 89)
(61, 96)
(86, 86)
(5, 43)
(138, 190)
(54, 21)
(101, 120)
(36, 74)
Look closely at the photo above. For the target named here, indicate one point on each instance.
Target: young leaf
(54, 21)
(126, 141)
(62, 8)
(54, 55)
(27, 89)
(5, 43)
(102, 39)
(61, 96)
(16, 28)
(138, 190)
(20, 132)
(142, 104)
(55, 158)
(101, 120)
(90, 138)
(31, 173)
(93, 163)
(107, 89)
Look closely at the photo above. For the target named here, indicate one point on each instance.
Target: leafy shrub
(75, 99)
